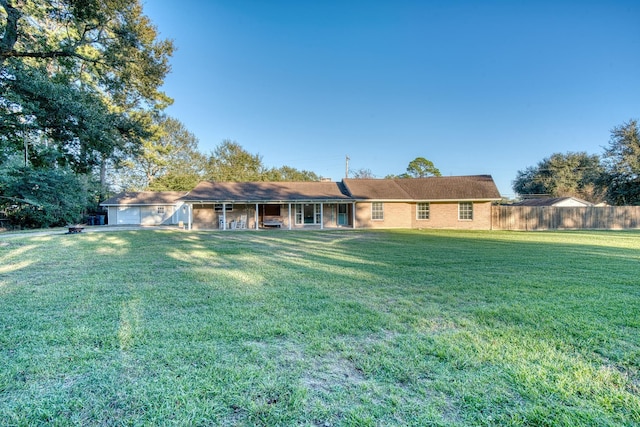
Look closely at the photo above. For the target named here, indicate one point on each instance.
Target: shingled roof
(472, 187)
(475, 187)
(554, 201)
(133, 198)
(377, 189)
(253, 192)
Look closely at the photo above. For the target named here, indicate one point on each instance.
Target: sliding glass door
(308, 214)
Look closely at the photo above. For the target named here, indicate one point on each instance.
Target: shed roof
(209, 191)
(554, 201)
(144, 198)
(472, 187)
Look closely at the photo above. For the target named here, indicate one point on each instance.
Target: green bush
(35, 198)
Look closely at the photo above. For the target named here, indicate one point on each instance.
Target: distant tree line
(613, 177)
(419, 167)
(171, 161)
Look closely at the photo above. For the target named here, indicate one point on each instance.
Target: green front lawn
(320, 328)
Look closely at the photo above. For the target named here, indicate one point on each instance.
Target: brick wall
(203, 217)
(442, 215)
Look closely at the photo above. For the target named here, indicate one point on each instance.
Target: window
(465, 211)
(161, 210)
(377, 211)
(422, 211)
(308, 213)
(218, 208)
(271, 210)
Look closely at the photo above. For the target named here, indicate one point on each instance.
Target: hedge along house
(435, 202)
(146, 208)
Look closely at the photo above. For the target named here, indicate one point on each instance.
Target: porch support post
(224, 215)
(189, 213)
(289, 215)
(321, 216)
(257, 217)
(353, 214)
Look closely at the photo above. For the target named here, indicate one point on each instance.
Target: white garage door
(128, 215)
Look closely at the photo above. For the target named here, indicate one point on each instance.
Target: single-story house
(554, 202)
(434, 202)
(146, 208)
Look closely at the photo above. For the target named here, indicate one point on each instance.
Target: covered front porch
(229, 215)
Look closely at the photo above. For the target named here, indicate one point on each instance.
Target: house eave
(427, 200)
(461, 200)
(267, 201)
(106, 205)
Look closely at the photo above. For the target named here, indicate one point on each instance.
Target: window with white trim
(227, 207)
(422, 210)
(465, 211)
(308, 213)
(377, 211)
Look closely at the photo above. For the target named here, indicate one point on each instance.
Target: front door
(309, 214)
(343, 214)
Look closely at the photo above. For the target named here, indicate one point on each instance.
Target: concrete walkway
(86, 229)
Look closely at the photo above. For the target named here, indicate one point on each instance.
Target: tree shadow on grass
(328, 327)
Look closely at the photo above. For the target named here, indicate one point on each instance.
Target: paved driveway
(86, 229)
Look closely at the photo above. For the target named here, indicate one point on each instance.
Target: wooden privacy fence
(568, 218)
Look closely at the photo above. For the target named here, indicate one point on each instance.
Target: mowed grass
(351, 328)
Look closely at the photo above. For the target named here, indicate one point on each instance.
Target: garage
(128, 215)
(146, 208)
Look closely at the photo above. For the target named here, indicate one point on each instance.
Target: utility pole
(346, 169)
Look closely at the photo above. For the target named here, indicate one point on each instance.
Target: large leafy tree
(622, 164)
(421, 168)
(167, 160)
(562, 175)
(42, 116)
(78, 76)
(418, 168)
(231, 162)
(79, 83)
(106, 44)
(288, 173)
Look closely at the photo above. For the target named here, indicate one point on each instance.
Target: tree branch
(52, 54)
(10, 36)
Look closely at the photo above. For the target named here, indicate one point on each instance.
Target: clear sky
(477, 87)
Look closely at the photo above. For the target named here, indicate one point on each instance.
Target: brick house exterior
(462, 202)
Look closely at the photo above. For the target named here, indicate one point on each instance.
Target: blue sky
(477, 87)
